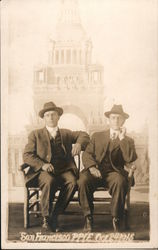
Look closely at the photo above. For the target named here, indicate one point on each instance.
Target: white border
(153, 154)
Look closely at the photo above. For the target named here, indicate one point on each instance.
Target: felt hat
(117, 109)
(48, 107)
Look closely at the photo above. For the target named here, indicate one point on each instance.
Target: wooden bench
(32, 196)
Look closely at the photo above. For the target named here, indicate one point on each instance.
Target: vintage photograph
(79, 124)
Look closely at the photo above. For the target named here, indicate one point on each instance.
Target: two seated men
(50, 155)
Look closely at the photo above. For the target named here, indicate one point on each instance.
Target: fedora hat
(117, 109)
(48, 107)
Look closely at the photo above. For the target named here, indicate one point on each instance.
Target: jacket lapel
(46, 138)
(62, 139)
(105, 139)
(114, 145)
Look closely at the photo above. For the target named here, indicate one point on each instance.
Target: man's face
(51, 118)
(116, 121)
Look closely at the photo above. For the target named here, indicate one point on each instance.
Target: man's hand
(76, 149)
(95, 172)
(48, 167)
(122, 133)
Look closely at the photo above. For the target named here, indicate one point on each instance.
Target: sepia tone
(72, 78)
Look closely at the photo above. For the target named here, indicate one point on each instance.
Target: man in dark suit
(50, 155)
(104, 160)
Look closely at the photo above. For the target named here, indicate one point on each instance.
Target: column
(70, 59)
(91, 76)
(100, 76)
(12, 160)
(62, 56)
(53, 57)
(20, 158)
(59, 56)
(65, 56)
(12, 168)
(80, 56)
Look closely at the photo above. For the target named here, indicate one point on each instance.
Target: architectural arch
(72, 109)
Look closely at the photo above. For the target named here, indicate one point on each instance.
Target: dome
(70, 32)
(69, 27)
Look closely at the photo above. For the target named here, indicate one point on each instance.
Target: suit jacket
(122, 152)
(37, 152)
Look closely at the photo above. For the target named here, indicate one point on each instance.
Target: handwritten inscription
(76, 237)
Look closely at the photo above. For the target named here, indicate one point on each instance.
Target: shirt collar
(112, 131)
(50, 129)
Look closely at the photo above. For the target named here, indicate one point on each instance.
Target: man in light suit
(49, 153)
(104, 160)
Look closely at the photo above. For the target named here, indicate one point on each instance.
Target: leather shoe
(116, 224)
(88, 226)
(45, 226)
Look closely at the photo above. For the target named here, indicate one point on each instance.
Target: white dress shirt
(52, 131)
(113, 134)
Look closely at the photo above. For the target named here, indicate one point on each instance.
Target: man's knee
(83, 180)
(70, 179)
(72, 182)
(46, 180)
(121, 181)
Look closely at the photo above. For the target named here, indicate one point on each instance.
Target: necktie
(113, 136)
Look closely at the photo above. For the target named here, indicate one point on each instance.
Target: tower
(70, 79)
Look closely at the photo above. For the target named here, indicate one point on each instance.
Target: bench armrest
(131, 170)
(130, 167)
(24, 168)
